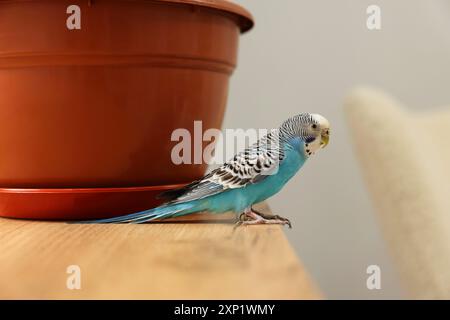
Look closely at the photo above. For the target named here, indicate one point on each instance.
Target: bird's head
(312, 129)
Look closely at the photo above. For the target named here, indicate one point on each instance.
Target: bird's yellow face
(323, 128)
(320, 128)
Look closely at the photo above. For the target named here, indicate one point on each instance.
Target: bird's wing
(249, 166)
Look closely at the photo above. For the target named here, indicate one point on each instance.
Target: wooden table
(173, 260)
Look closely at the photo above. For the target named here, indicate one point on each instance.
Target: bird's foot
(253, 217)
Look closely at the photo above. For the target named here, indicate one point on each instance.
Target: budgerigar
(252, 176)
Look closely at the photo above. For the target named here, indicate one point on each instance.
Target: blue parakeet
(252, 176)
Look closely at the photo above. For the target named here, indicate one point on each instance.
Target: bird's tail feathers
(162, 212)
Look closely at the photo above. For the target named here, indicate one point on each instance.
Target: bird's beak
(325, 138)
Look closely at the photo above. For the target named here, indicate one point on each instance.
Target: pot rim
(244, 17)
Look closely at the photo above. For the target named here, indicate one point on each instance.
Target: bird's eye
(314, 126)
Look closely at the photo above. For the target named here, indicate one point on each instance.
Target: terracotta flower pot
(95, 107)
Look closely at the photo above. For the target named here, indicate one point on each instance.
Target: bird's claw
(240, 220)
(286, 220)
(254, 217)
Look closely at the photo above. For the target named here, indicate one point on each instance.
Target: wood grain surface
(198, 258)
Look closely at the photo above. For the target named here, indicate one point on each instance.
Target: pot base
(78, 204)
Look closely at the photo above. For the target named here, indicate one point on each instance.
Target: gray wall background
(304, 56)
